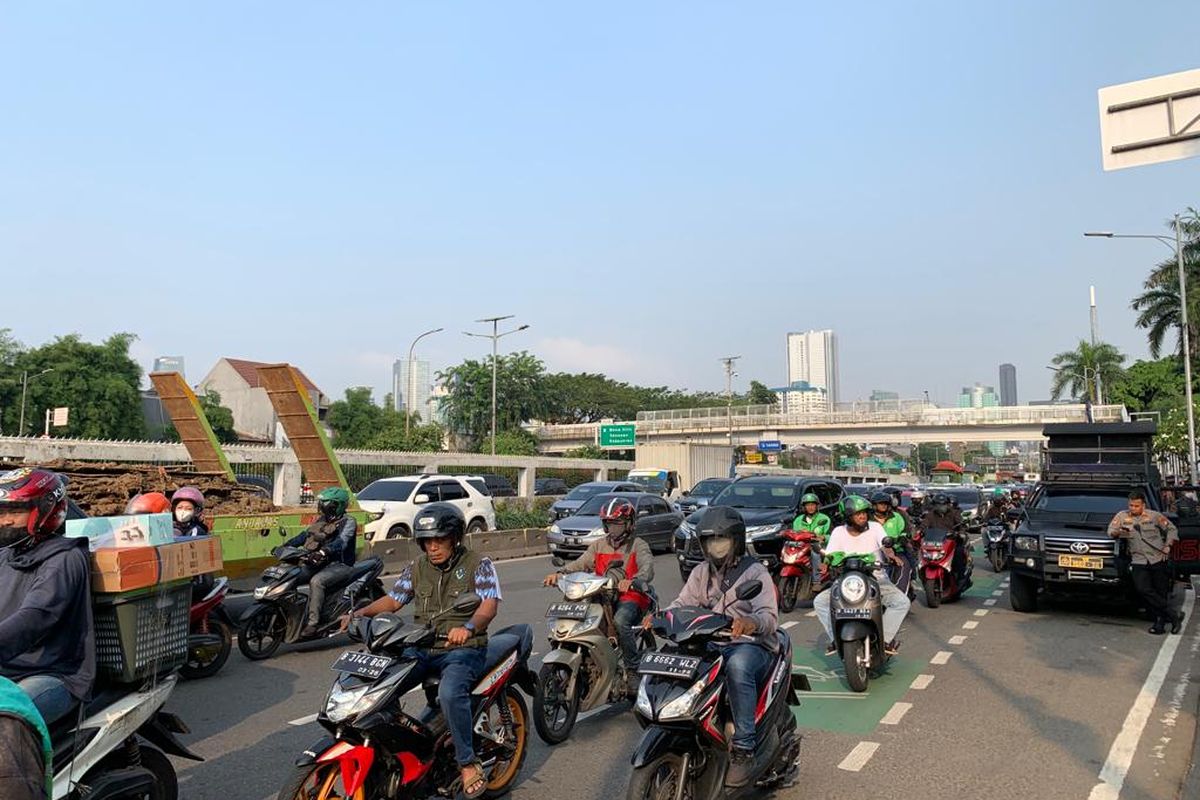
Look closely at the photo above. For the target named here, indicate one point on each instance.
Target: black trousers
(1153, 583)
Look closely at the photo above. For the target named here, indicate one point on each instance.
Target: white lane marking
(299, 723)
(981, 612)
(811, 614)
(1116, 767)
(941, 657)
(957, 639)
(998, 593)
(791, 623)
(991, 601)
(859, 756)
(970, 625)
(895, 714)
(921, 682)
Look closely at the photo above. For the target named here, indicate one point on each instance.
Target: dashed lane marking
(970, 625)
(981, 612)
(957, 639)
(791, 623)
(811, 614)
(997, 593)
(941, 657)
(921, 682)
(990, 602)
(896, 714)
(859, 756)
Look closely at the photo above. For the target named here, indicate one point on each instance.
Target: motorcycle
(281, 606)
(901, 574)
(995, 544)
(584, 668)
(210, 632)
(684, 751)
(115, 747)
(941, 585)
(376, 749)
(795, 570)
(856, 609)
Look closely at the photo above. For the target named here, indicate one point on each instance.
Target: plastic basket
(142, 634)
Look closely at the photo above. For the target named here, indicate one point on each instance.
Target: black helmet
(721, 522)
(882, 497)
(941, 499)
(437, 520)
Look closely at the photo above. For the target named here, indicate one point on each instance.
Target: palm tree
(1075, 370)
(1158, 305)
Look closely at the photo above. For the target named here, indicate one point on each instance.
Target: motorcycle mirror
(467, 602)
(558, 562)
(358, 627)
(616, 563)
(1013, 514)
(749, 590)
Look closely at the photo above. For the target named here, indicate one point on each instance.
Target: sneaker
(1157, 628)
(892, 647)
(1177, 623)
(741, 767)
(831, 649)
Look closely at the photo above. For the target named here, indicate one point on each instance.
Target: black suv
(768, 504)
(549, 486)
(498, 485)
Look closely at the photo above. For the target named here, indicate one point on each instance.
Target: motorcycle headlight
(643, 706)
(762, 530)
(555, 529)
(343, 704)
(853, 589)
(995, 536)
(681, 707)
(1026, 543)
(260, 592)
(572, 590)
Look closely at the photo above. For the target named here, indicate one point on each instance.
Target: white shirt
(869, 541)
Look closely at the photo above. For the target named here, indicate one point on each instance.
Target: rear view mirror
(420, 499)
(558, 562)
(467, 602)
(686, 493)
(749, 590)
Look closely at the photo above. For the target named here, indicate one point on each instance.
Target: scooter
(995, 544)
(584, 668)
(681, 704)
(281, 606)
(115, 747)
(795, 571)
(210, 632)
(376, 748)
(941, 585)
(856, 609)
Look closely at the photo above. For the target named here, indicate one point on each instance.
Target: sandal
(477, 786)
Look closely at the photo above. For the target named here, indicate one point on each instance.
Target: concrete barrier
(497, 545)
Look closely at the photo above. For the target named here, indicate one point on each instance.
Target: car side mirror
(686, 493)
(421, 499)
(749, 590)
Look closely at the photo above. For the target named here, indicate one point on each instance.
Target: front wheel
(1022, 593)
(260, 636)
(318, 782)
(204, 662)
(660, 780)
(477, 526)
(787, 593)
(555, 706)
(933, 592)
(998, 560)
(854, 658)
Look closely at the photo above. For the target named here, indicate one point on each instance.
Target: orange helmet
(148, 503)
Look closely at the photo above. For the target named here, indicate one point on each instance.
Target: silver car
(656, 523)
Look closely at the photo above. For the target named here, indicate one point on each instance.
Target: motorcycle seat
(500, 644)
(365, 567)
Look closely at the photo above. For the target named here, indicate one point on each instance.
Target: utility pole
(495, 336)
(411, 387)
(728, 361)
(1095, 339)
(25, 378)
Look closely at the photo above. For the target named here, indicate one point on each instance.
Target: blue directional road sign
(770, 446)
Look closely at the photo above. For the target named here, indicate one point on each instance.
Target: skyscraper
(169, 364)
(812, 357)
(411, 393)
(980, 396)
(1008, 385)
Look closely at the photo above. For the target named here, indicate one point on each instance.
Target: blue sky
(649, 186)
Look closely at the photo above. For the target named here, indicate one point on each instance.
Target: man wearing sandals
(447, 570)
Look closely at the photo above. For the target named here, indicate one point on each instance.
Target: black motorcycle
(995, 544)
(376, 748)
(681, 703)
(282, 597)
(856, 609)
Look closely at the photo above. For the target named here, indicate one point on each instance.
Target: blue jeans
(746, 667)
(459, 668)
(627, 616)
(51, 697)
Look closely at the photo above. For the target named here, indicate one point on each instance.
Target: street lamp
(729, 361)
(412, 383)
(495, 336)
(1087, 383)
(1185, 338)
(25, 378)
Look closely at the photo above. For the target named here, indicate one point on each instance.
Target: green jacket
(15, 703)
(818, 524)
(896, 526)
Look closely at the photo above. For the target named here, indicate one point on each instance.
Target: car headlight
(853, 589)
(643, 706)
(555, 529)
(687, 530)
(763, 530)
(1026, 543)
(681, 706)
(597, 531)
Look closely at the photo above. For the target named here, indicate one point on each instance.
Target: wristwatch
(470, 625)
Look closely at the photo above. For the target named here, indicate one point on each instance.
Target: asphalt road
(982, 702)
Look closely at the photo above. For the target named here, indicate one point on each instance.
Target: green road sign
(623, 436)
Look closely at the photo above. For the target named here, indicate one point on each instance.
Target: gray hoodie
(704, 588)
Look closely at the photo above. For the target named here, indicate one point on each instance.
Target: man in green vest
(816, 523)
(432, 582)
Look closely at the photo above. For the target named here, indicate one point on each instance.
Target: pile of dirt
(103, 489)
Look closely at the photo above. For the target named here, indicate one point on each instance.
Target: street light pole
(495, 336)
(728, 361)
(412, 383)
(25, 378)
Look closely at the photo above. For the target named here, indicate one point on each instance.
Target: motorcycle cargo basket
(142, 634)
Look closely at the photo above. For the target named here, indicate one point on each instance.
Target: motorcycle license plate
(567, 610)
(669, 665)
(852, 613)
(1081, 562)
(364, 665)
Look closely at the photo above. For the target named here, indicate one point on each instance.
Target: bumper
(1048, 573)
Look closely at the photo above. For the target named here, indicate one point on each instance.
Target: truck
(1061, 545)
(671, 468)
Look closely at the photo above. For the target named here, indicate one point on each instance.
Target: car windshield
(967, 498)
(592, 507)
(397, 491)
(585, 490)
(1093, 501)
(708, 488)
(757, 495)
(654, 483)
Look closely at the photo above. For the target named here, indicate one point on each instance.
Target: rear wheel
(398, 532)
(1022, 593)
(164, 772)
(207, 661)
(787, 593)
(854, 658)
(260, 636)
(318, 782)
(997, 558)
(660, 779)
(933, 592)
(554, 706)
(513, 720)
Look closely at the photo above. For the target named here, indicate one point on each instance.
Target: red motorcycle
(938, 548)
(210, 631)
(795, 572)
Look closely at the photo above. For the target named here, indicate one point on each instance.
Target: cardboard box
(185, 558)
(121, 569)
(136, 530)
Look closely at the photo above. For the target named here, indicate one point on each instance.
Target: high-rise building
(169, 364)
(411, 392)
(1008, 385)
(980, 396)
(812, 357)
(800, 398)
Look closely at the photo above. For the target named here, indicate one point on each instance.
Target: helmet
(332, 502)
(809, 497)
(854, 504)
(42, 492)
(882, 497)
(148, 503)
(721, 522)
(618, 509)
(190, 493)
(999, 493)
(941, 499)
(437, 520)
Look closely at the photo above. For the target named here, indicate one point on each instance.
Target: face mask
(184, 515)
(11, 534)
(719, 549)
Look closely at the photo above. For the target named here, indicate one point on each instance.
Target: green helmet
(333, 502)
(998, 492)
(809, 498)
(855, 503)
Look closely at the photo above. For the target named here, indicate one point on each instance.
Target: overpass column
(526, 480)
(287, 484)
(601, 474)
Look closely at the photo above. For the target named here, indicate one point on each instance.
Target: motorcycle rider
(896, 525)
(446, 570)
(46, 636)
(998, 506)
(187, 504)
(863, 536)
(330, 542)
(713, 584)
(618, 542)
(148, 503)
(944, 515)
(25, 753)
(816, 523)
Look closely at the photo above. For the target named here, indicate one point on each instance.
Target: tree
(840, 451)
(515, 442)
(1150, 385)
(520, 391)
(1172, 436)
(588, 451)
(1158, 306)
(1075, 370)
(760, 395)
(354, 419)
(930, 453)
(220, 419)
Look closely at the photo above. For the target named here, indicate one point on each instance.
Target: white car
(399, 500)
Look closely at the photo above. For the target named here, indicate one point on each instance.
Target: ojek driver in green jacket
(813, 521)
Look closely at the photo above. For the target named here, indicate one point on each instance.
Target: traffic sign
(770, 446)
(621, 437)
(1149, 121)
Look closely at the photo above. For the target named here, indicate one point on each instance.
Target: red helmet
(617, 509)
(42, 492)
(148, 503)
(189, 493)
